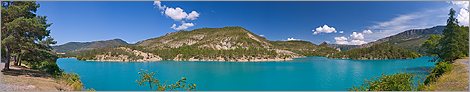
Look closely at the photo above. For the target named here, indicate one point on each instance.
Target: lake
(309, 73)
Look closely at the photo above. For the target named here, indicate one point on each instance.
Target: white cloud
(324, 29)
(367, 32)
(261, 35)
(193, 15)
(357, 42)
(183, 26)
(463, 15)
(159, 5)
(292, 39)
(176, 14)
(341, 32)
(355, 39)
(341, 40)
(462, 4)
(357, 36)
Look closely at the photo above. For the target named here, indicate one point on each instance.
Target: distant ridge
(409, 39)
(78, 46)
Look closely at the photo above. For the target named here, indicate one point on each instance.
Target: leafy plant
(441, 68)
(394, 82)
(149, 78)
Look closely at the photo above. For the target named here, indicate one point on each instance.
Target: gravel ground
(27, 83)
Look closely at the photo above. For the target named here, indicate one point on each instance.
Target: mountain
(410, 39)
(400, 46)
(208, 38)
(208, 44)
(79, 46)
(304, 48)
(343, 47)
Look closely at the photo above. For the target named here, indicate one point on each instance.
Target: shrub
(149, 78)
(71, 79)
(437, 71)
(395, 82)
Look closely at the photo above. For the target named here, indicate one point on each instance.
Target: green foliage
(71, 79)
(432, 45)
(24, 34)
(50, 67)
(441, 68)
(149, 78)
(454, 43)
(395, 82)
(377, 51)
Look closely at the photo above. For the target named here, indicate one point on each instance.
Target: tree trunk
(7, 58)
(19, 60)
(15, 61)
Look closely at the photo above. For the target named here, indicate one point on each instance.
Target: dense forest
(377, 51)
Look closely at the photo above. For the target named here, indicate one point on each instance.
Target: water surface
(310, 73)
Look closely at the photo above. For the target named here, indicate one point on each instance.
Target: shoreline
(206, 60)
(257, 60)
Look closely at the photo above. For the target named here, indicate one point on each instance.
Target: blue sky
(136, 21)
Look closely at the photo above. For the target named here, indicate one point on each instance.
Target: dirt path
(27, 80)
(456, 79)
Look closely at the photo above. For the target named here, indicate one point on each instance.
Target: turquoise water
(310, 73)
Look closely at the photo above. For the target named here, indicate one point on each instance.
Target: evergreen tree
(23, 31)
(455, 41)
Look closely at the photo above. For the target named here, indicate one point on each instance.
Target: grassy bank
(455, 79)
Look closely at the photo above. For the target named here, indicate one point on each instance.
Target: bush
(51, 68)
(149, 78)
(437, 71)
(71, 79)
(395, 82)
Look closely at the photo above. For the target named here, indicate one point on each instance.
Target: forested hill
(78, 46)
(410, 39)
(209, 44)
(403, 45)
(304, 48)
(377, 51)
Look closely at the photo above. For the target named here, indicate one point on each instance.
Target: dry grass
(455, 80)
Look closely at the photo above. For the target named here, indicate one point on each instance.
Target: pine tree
(455, 41)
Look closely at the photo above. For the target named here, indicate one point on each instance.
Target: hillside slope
(208, 38)
(454, 80)
(410, 39)
(304, 48)
(79, 46)
(375, 52)
(209, 44)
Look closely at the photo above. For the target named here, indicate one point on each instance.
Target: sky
(352, 23)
